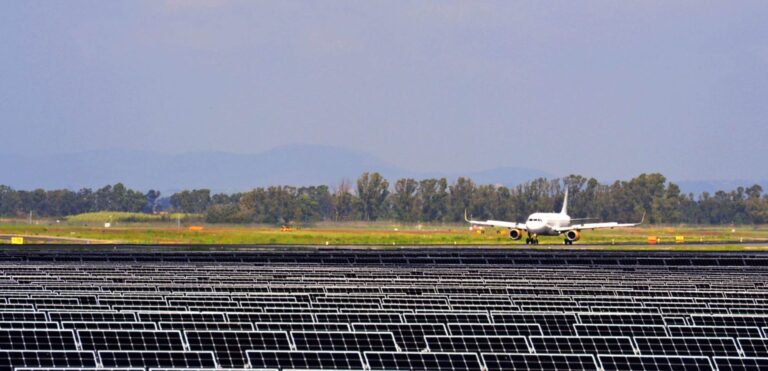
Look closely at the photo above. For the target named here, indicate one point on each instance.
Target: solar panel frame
(29, 325)
(538, 361)
(622, 362)
(409, 336)
(37, 339)
(598, 329)
(51, 358)
(714, 331)
(432, 361)
(271, 317)
(165, 359)
(740, 363)
(361, 317)
(168, 316)
(289, 359)
(108, 325)
(753, 347)
(443, 317)
(686, 346)
(354, 341)
(582, 345)
(477, 344)
(495, 329)
(131, 340)
(229, 347)
(86, 316)
(551, 323)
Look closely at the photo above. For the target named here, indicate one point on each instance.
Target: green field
(166, 230)
(125, 217)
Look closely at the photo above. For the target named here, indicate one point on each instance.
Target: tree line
(372, 197)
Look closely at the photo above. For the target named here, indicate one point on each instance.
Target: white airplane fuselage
(545, 224)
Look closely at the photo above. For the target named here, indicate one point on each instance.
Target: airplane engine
(573, 235)
(515, 234)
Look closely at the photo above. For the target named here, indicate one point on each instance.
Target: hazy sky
(606, 89)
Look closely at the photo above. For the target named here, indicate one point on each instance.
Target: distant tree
(460, 198)
(195, 201)
(10, 201)
(405, 200)
(372, 190)
(152, 196)
(343, 202)
(433, 196)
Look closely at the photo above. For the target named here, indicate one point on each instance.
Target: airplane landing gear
(532, 240)
(567, 242)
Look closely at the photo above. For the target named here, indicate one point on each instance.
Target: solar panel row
(436, 310)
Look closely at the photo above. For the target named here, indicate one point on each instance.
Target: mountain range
(219, 171)
(296, 164)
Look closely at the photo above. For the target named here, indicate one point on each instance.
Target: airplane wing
(584, 226)
(494, 223)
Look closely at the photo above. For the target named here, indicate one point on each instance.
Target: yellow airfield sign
(17, 240)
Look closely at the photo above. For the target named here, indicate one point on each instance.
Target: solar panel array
(438, 309)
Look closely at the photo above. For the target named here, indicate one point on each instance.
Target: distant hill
(220, 171)
(697, 187)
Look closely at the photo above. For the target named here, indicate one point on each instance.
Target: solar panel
(687, 346)
(551, 323)
(156, 359)
(714, 331)
(10, 359)
(23, 317)
(477, 344)
(619, 330)
(447, 317)
(582, 344)
(618, 309)
(230, 346)
(79, 325)
(675, 321)
(344, 341)
(334, 307)
(729, 320)
(300, 326)
(622, 318)
(618, 362)
(409, 336)
(270, 317)
(304, 360)
(19, 325)
(495, 329)
(367, 317)
(11, 339)
(205, 326)
(422, 361)
(92, 316)
(180, 317)
(754, 347)
(549, 362)
(134, 340)
(740, 363)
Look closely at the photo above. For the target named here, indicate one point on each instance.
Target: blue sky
(602, 88)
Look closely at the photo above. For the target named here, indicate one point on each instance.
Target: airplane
(549, 224)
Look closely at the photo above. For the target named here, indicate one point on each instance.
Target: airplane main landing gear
(532, 240)
(567, 242)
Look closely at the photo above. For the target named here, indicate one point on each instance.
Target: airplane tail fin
(564, 210)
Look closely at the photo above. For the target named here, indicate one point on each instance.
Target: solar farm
(129, 308)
